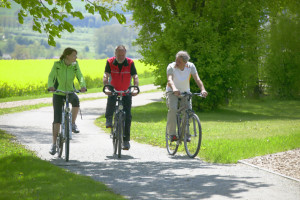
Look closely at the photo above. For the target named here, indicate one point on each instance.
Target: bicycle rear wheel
(172, 146)
(193, 136)
(60, 144)
(67, 132)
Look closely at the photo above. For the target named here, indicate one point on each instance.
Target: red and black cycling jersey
(120, 72)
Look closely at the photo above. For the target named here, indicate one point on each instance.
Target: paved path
(145, 172)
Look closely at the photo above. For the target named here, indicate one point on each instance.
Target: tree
(108, 37)
(50, 16)
(221, 37)
(10, 46)
(283, 61)
(20, 53)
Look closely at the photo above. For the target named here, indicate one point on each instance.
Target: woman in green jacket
(62, 77)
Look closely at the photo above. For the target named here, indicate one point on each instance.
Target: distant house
(6, 57)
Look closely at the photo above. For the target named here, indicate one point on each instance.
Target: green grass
(24, 176)
(27, 97)
(242, 130)
(22, 108)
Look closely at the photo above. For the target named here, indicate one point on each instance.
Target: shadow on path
(176, 179)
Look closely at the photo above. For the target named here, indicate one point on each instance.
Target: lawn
(24, 176)
(242, 130)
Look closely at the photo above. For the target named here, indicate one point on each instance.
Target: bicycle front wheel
(193, 136)
(114, 135)
(172, 146)
(67, 132)
(120, 132)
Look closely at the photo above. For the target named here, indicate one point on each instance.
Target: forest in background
(241, 48)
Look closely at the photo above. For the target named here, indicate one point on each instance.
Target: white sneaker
(74, 128)
(53, 149)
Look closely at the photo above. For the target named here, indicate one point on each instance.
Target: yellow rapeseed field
(36, 71)
(21, 77)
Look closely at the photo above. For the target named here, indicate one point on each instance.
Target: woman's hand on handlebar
(51, 89)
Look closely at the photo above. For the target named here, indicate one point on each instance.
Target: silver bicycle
(64, 136)
(188, 128)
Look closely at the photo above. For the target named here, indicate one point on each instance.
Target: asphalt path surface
(144, 172)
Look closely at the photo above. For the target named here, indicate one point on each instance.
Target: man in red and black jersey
(119, 71)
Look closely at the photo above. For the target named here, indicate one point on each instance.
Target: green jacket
(62, 76)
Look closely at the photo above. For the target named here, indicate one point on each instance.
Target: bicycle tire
(60, 144)
(67, 142)
(193, 136)
(172, 147)
(120, 135)
(114, 135)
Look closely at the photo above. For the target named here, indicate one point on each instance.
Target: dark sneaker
(173, 138)
(108, 122)
(126, 145)
(75, 129)
(53, 149)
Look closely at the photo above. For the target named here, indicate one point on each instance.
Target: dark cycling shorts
(58, 102)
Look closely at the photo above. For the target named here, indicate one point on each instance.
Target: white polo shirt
(181, 78)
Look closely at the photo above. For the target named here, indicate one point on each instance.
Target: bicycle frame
(66, 110)
(183, 114)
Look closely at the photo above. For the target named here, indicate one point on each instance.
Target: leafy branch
(50, 16)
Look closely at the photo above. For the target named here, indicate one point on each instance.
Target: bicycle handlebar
(183, 94)
(65, 92)
(129, 91)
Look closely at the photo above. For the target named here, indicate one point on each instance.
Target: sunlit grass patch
(229, 134)
(24, 176)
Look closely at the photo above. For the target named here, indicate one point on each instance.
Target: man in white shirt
(179, 74)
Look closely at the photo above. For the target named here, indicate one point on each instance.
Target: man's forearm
(200, 85)
(136, 80)
(105, 79)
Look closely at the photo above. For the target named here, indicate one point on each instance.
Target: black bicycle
(65, 134)
(188, 128)
(118, 128)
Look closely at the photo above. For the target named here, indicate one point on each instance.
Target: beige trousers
(172, 104)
